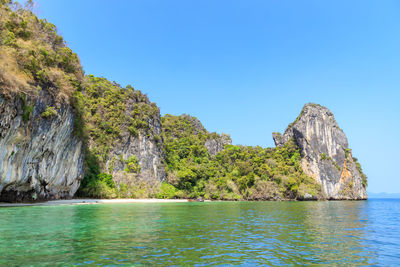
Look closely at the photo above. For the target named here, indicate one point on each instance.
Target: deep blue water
(348, 233)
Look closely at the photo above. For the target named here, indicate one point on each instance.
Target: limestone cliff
(325, 153)
(145, 146)
(123, 132)
(40, 155)
(60, 130)
(40, 158)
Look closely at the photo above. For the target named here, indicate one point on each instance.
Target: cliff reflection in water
(338, 231)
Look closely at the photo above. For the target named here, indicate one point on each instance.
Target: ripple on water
(202, 234)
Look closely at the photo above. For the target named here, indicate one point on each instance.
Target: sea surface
(348, 233)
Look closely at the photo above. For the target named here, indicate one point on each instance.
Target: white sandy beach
(92, 201)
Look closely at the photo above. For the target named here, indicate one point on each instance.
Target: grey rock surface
(146, 147)
(40, 158)
(325, 153)
(216, 145)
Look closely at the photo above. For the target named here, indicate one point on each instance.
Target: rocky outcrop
(217, 144)
(124, 145)
(40, 157)
(145, 148)
(325, 153)
(186, 126)
(146, 151)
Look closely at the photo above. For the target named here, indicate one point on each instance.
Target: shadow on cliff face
(92, 172)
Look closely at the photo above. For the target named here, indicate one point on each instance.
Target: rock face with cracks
(144, 147)
(325, 153)
(40, 157)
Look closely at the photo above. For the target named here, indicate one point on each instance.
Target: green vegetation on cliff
(107, 113)
(237, 172)
(33, 57)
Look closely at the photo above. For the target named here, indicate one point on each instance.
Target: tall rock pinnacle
(325, 153)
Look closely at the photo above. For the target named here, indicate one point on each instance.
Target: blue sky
(247, 67)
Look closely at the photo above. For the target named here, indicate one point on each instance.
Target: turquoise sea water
(201, 234)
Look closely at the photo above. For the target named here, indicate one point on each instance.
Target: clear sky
(247, 67)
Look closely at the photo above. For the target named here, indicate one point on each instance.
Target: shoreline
(93, 201)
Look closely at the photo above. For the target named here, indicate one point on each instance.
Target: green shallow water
(199, 234)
